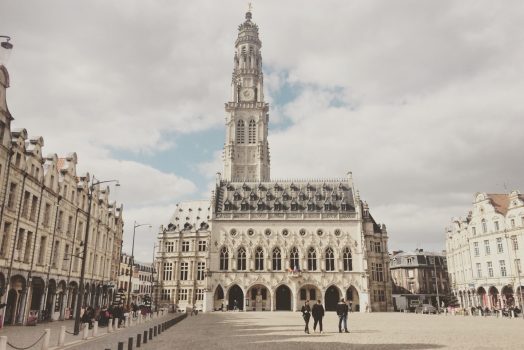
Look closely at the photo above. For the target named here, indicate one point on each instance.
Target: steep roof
(500, 202)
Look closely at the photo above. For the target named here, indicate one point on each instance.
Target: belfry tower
(246, 150)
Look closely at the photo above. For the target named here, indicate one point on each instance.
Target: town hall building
(264, 244)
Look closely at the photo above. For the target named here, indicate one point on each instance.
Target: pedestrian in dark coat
(306, 314)
(342, 312)
(318, 313)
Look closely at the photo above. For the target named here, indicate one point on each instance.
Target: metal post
(131, 263)
(81, 286)
(436, 282)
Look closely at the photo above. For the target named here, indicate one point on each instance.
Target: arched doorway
(72, 300)
(14, 305)
(482, 296)
(38, 287)
(283, 298)
(493, 296)
(219, 298)
(353, 298)
(259, 299)
(236, 298)
(507, 295)
(308, 292)
(331, 298)
(49, 304)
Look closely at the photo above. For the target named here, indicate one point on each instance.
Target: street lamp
(7, 46)
(80, 295)
(132, 262)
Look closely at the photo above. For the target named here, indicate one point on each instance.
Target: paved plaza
(392, 331)
(23, 336)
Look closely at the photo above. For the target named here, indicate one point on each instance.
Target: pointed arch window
(277, 260)
(293, 259)
(240, 131)
(244, 205)
(252, 131)
(348, 260)
(259, 259)
(312, 259)
(311, 206)
(241, 259)
(330, 260)
(224, 259)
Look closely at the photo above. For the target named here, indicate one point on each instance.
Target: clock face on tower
(247, 94)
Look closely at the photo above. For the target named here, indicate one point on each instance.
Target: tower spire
(246, 150)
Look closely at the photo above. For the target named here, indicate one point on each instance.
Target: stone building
(141, 280)
(419, 275)
(263, 244)
(483, 251)
(43, 217)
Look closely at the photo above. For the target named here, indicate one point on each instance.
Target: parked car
(425, 309)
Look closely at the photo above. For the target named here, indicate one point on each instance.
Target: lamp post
(436, 282)
(80, 295)
(7, 46)
(132, 262)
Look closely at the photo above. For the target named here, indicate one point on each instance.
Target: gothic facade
(263, 244)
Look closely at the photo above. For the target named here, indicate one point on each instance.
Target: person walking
(306, 315)
(342, 312)
(318, 314)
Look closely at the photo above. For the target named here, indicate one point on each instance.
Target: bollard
(154, 331)
(120, 345)
(3, 342)
(150, 333)
(130, 343)
(115, 324)
(145, 337)
(47, 336)
(138, 339)
(95, 328)
(61, 337)
(126, 323)
(512, 314)
(159, 329)
(110, 326)
(85, 331)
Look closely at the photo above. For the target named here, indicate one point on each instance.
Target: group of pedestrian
(103, 314)
(317, 311)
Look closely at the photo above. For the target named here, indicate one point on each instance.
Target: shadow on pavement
(211, 332)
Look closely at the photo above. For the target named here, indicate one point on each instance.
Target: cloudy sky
(422, 100)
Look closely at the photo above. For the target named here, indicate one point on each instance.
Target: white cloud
(430, 106)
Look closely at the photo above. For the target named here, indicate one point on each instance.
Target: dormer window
(278, 206)
(227, 205)
(237, 196)
(344, 206)
(311, 206)
(294, 206)
(261, 205)
(285, 196)
(244, 206)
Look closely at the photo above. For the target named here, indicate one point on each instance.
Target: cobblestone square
(284, 330)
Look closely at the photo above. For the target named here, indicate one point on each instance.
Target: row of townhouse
(43, 222)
